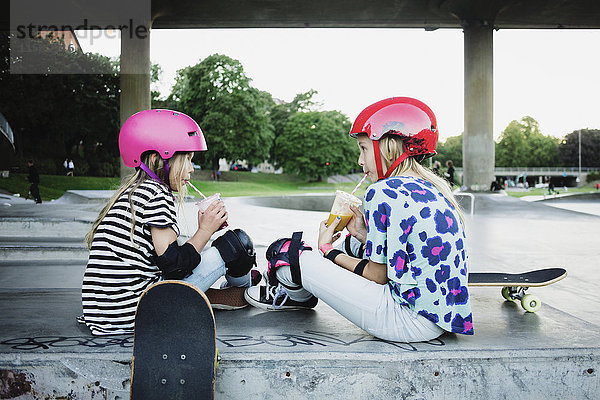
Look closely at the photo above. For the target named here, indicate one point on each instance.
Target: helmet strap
(378, 160)
(395, 164)
(155, 177)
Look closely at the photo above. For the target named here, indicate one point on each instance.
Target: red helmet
(406, 117)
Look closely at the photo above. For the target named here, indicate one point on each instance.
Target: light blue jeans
(210, 269)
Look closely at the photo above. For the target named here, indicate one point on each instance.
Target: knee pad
(286, 251)
(237, 250)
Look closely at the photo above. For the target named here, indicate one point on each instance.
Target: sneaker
(255, 278)
(274, 298)
(231, 298)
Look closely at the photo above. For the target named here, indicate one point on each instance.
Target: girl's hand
(327, 234)
(357, 225)
(214, 216)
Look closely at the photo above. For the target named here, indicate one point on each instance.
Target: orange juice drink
(341, 208)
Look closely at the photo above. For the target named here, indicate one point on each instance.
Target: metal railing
(520, 170)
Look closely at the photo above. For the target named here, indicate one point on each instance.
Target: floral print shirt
(417, 233)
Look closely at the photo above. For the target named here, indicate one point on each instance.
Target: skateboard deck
(515, 285)
(174, 349)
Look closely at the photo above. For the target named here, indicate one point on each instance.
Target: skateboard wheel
(506, 294)
(531, 303)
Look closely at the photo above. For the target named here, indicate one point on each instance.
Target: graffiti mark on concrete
(53, 342)
(281, 340)
(314, 338)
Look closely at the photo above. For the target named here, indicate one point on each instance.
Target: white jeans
(365, 303)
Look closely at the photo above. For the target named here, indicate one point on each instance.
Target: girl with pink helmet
(133, 242)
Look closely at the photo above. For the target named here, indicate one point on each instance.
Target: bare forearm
(199, 240)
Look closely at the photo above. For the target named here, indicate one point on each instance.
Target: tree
(56, 115)
(450, 149)
(232, 114)
(315, 144)
(590, 148)
(280, 113)
(523, 145)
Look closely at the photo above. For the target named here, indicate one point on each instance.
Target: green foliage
(523, 145)
(450, 149)
(281, 112)
(233, 115)
(316, 144)
(590, 148)
(593, 176)
(58, 115)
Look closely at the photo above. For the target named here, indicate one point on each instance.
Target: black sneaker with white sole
(276, 298)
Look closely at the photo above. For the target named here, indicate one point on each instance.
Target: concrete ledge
(313, 355)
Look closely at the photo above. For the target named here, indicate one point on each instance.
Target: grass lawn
(232, 184)
(587, 188)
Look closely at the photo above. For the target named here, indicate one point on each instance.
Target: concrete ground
(554, 353)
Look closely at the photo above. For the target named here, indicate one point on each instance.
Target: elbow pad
(178, 262)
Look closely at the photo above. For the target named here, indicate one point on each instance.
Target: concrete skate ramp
(316, 354)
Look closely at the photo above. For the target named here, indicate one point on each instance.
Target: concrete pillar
(478, 138)
(135, 77)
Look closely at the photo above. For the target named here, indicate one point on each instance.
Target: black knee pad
(237, 250)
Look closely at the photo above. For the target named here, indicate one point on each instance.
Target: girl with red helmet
(401, 274)
(133, 242)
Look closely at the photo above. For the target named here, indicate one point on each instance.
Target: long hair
(391, 148)
(133, 181)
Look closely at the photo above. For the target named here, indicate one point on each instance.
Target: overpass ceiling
(428, 14)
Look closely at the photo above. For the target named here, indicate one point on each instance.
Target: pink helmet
(164, 131)
(410, 119)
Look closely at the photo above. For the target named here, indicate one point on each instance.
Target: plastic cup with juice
(341, 208)
(204, 203)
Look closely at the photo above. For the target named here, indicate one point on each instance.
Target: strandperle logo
(88, 20)
(33, 31)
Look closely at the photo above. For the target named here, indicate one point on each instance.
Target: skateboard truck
(514, 286)
(529, 302)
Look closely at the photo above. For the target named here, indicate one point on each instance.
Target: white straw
(196, 189)
(359, 183)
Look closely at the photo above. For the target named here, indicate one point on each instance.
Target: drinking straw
(359, 183)
(196, 189)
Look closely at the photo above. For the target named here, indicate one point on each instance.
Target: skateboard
(174, 344)
(514, 286)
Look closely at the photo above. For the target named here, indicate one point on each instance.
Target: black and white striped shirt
(120, 267)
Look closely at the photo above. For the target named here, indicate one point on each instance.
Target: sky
(550, 75)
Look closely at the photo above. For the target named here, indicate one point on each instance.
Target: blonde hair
(133, 181)
(391, 148)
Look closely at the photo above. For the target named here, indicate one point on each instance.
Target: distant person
(66, 166)
(436, 167)
(404, 278)
(34, 179)
(495, 186)
(597, 186)
(133, 242)
(550, 186)
(450, 172)
(71, 168)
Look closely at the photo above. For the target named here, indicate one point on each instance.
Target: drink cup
(204, 203)
(341, 208)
